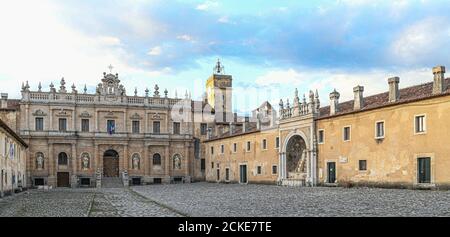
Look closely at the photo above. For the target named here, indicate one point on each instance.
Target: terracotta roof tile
(379, 100)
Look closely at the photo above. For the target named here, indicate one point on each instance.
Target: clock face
(223, 84)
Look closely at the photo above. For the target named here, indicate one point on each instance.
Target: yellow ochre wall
(393, 160)
(253, 158)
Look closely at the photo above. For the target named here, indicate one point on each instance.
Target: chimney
(359, 99)
(438, 81)
(334, 102)
(246, 124)
(232, 127)
(4, 100)
(394, 94)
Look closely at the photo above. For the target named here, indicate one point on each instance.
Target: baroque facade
(392, 139)
(78, 139)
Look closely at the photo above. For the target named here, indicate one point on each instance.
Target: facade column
(96, 120)
(74, 124)
(145, 160)
(50, 117)
(27, 115)
(283, 167)
(126, 157)
(280, 171)
(308, 166)
(74, 181)
(167, 163)
(51, 166)
(95, 161)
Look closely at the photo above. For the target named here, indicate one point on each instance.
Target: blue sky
(269, 47)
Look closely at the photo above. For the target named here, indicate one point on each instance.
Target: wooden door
(243, 174)
(424, 170)
(63, 179)
(331, 167)
(111, 167)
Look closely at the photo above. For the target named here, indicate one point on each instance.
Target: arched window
(176, 162)
(39, 161)
(156, 159)
(62, 159)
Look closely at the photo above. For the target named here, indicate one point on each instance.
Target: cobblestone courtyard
(205, 199)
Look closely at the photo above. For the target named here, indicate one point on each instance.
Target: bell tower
(219, 94)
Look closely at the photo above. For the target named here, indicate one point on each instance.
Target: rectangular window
(420, 124)
(135, 127)
(264, 144)
(176, 128)
(258, 170)
(222, 149)
(379, 130)
(197, 148)
(156, 127)
(363, 165)
(39, 124)
(277, 142)
(218, 174)
(274, 169)
(111, 126)
(321, 136)
(203, 128)
(202, 165)
(227, 174)
(85, 125)
(212, 165)
(346, 133)
(248, 146)
(234, 147)
(62, 124)
(212, 150)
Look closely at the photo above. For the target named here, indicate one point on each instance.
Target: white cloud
(421, 41)
(37, 46)
(207, 5)
(374, 81)
(155, 51)
(278, 77)
(185, 37)
(109, 40)
(225, 20)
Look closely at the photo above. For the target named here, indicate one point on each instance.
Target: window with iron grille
(176, 128)
(363, 165)
(156, 127)
(135, 127)
(62, 124)
(39, 124)
(85, 125)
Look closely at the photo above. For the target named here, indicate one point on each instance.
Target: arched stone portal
(111, 163)
(296, 158)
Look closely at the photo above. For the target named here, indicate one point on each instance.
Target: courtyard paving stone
(209, 199)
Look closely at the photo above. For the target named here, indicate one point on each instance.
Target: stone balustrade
(49, 97)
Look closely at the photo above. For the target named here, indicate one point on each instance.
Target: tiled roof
(12, 133)
(408, 94)
(237, 131)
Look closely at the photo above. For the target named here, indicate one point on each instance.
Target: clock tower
(219, 94)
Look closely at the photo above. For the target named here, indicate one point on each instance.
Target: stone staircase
(111, 182)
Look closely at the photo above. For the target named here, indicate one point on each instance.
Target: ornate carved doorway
(296, 158)
(111, 163)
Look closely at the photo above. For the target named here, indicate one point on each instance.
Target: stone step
(111, 182)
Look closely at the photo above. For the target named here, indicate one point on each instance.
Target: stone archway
(296, 158)
(111, 163)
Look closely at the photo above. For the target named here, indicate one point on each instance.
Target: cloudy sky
(270, 47)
